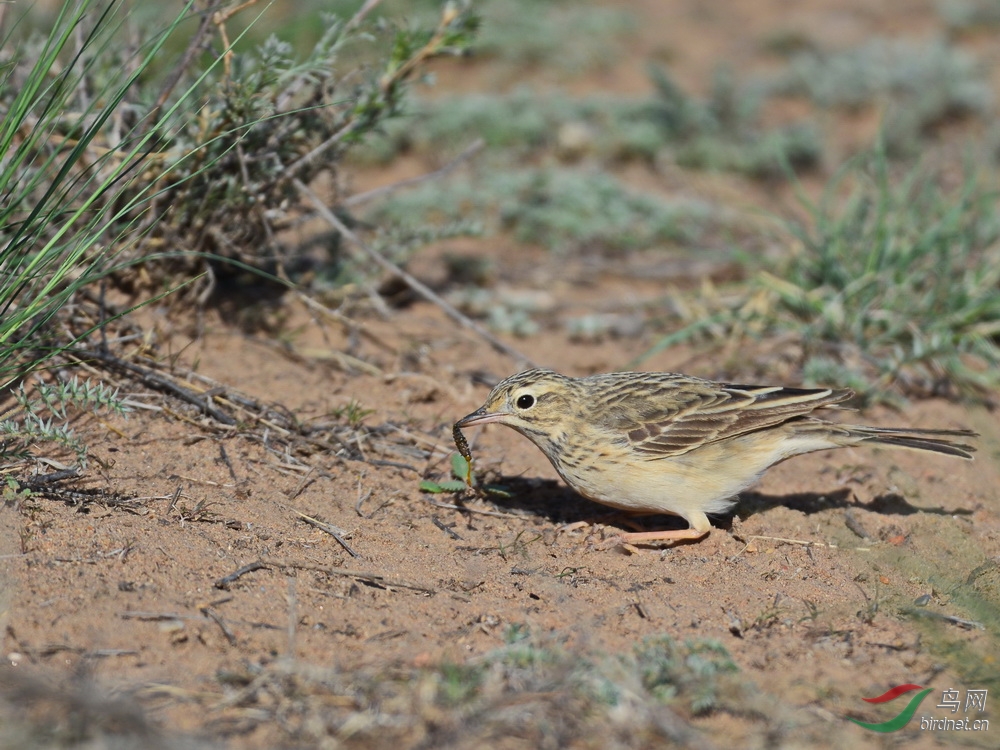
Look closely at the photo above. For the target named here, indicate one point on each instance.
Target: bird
(650, 442)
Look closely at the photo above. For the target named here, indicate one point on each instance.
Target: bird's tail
(937, 441)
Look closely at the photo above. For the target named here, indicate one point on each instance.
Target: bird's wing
(676, 418)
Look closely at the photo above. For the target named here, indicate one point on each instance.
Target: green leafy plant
(37, 422)
(459, 471)
(458, 683)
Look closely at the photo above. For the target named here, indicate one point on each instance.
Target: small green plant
(768, 617)
(457, 684)
(460, 472)
(812, 611)
(522, 124)
(36, 423)
(353, 412)
(691, 670)
(516, 632)
(526, 654)
(14, 493)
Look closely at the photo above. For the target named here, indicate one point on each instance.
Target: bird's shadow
(886, 504)
(554, 501)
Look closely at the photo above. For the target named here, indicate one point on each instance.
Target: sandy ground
(810, 585)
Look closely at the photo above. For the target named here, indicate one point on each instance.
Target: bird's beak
(478, 417)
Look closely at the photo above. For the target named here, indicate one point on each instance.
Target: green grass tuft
(898, 285)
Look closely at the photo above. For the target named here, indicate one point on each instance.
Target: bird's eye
(526, 401)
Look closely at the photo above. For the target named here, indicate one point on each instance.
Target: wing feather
(674, 416)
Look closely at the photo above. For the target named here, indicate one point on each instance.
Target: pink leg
(700, 527)
(629, 540)
(663, 536)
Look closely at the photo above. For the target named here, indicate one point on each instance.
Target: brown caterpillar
(463, 448)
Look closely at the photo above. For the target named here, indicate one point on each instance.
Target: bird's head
(534, 402)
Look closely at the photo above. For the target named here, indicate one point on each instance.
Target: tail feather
(936, 441)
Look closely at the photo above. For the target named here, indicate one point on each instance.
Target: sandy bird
(672, 443)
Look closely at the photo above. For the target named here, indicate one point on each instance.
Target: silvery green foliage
(45, 418)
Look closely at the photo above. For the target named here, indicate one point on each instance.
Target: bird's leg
(662, 536)
(700, 527)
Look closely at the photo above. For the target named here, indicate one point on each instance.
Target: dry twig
(329, 529)
(362, 575)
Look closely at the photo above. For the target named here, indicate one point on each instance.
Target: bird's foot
(629, 540)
